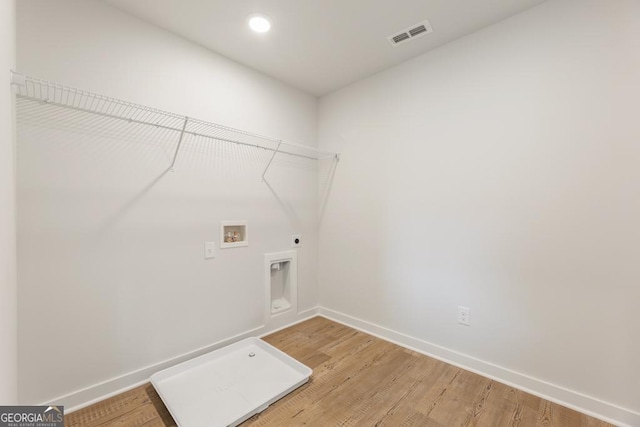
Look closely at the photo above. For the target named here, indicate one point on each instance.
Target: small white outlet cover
(209, 250)
(296, 241)
(463, 316)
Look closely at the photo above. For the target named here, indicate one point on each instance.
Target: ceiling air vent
(400, 38)
(414, 31)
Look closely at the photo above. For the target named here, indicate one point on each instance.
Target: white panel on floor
(229, 385)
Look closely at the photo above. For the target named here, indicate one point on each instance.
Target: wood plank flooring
(360, 380)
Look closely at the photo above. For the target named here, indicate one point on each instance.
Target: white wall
(499, 172)
(8, 304)
(110, 247)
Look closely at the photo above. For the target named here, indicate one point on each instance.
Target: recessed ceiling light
(259, 23)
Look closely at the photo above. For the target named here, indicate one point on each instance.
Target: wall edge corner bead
(51, 93)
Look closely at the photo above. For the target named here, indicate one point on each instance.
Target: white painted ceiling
(320, 45)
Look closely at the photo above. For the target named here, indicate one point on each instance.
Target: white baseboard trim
(106, 389)
(591, 406)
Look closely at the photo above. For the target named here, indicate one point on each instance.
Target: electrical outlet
(463, 316)
(296, 241)
(209, 250)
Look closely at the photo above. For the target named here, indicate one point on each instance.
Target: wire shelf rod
(186, 132)
(87, 102)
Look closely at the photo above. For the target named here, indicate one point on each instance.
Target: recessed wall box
(234, 234)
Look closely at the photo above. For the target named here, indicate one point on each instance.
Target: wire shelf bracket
(47, 92)
(271, 160)
(175, 156)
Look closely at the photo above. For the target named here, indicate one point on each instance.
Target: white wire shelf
(83, 101)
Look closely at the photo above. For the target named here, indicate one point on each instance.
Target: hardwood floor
(360, 380)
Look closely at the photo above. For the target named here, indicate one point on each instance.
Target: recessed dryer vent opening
(281, 282)
(280, 286)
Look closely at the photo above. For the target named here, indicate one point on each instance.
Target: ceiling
(320, 45)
